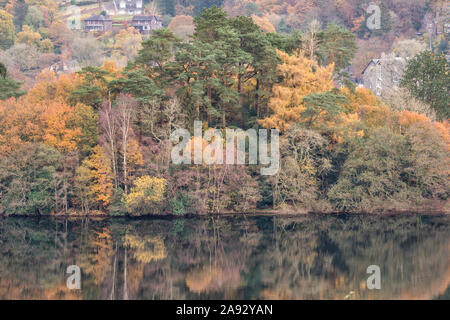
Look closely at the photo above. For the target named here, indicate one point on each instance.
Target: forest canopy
(96, 140)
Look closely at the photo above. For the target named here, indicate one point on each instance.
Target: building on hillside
(125, 7)
(381, 75)
(145, 24)
(97, 22)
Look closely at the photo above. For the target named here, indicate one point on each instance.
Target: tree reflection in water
(307, 257)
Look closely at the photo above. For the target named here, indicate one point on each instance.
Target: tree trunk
(258, 111)
(224, 123)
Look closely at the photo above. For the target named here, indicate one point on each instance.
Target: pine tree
(167, 7)
(427, 78)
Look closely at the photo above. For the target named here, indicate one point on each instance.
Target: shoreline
(271, 213)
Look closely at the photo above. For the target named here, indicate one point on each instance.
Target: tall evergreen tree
(8, 87)
(199, 5)
(167, 7)
(20, 9)
(427, 78)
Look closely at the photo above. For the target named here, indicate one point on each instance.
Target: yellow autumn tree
(370, 110)
(98, 263)
(349, 124)
(301, 77)
(28, 36)
(359, 97)
(135, 158)
(51, 87)
(111, 67)
(407, 118)
(146, 194)
(147, 248)
(93, 181)
(264, 24)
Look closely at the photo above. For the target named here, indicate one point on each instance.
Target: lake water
(265, 257)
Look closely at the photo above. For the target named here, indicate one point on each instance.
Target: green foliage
(372, 171)
(142, 87)
(223, 50)
(94, 87)
(3, 71)
(328, 103)
(34, 18)
(167, 7)
(304, 163)
(117, 207)
(7, 30)
(181, 205)
(30, 183)
(8, 87)
(200, 5)
(337, 45)
(156, 53)
(20, 9)
(86, 119)
(427, 78)
(389, 167)
(428, 172)
(251, 8)
(283, 27)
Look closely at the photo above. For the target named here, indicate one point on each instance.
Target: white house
(125, 7)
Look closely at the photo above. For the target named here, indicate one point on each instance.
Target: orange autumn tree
(263, 24)
(50, 123)
(407, 118)
(44, 116)
(370, 110)
(444, 130)
(361, 105)
(301, 77)
(94, 181)
(51, 87)
(18, 124)
(359, 97)
(57, 131)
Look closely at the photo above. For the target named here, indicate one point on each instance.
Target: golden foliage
(301, 77)
(95, 179)
(407, 118)
(264, 24)
(50, 87)
(57, 132)
(213, 278)
(18, 124)
(28, 36)
(146, 190)
(360, 97)
(146, 249)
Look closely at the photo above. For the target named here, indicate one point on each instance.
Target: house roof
(378, 61)
(145, 17)
(374, 61)
(98, 17)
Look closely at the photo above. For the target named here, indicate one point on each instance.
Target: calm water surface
(308, 257)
